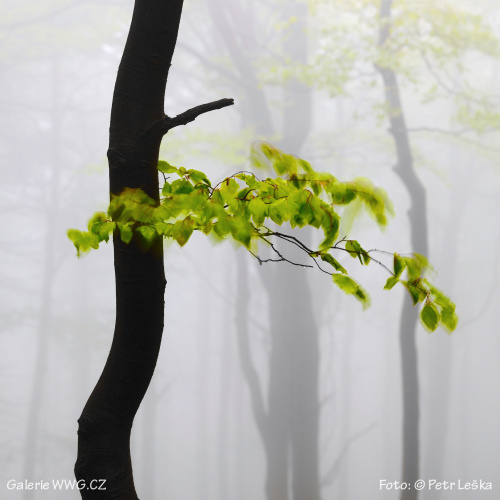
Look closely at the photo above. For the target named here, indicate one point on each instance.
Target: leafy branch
(241, 206)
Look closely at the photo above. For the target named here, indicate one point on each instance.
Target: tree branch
(193, 113)
(458, 135)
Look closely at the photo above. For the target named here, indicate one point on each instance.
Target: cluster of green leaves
(244, 208)
(438, 308)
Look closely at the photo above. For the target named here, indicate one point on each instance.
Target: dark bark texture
(106, 421)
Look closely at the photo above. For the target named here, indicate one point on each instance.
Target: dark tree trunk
(106, 421)
(418, 233)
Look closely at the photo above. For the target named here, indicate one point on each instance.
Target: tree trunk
(298, 325)
(106, 421)
(418, 234)
(289, 426)
(32, 441)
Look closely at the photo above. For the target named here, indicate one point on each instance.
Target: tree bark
(106, 421)
(138, 124)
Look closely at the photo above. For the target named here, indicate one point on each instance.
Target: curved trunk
(106, 421)
(418, 234)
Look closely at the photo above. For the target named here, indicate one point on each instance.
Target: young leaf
(351, 287)
(148, 233)
(414, 292)
(75, 236)
(197, 176)
(449, 318)
(258, 210)
(126, 233)
(166, 168)
(430, 316)
(391, 282)
(166, 189)
(95, 222)
(399, 265)
(333, 262)
(182, 231)
(355, 250)
(105, 229)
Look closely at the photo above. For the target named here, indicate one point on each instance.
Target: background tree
(398, 41)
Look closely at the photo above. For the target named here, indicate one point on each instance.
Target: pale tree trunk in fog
(229, 457)
(289, 426)
(31, 451)
(298, 325)
(203, 367)
(441, 371)
(418, 235)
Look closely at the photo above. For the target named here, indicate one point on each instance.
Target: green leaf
(399, 265)
(95, 222)
(355, 250)
(306, 166)
(333, 262)
(182, 186)
(198, 176)
(105, 229)
(241, 231)
(351, 287)
(414, 268)
(258, 210)
(341, 195)
(166, 168)
(430, 316)
(166, 189)
(278, 211)
(391, 282)
(449, 318)
(126, 233)
(148, 233)
(75, 236)
(228, 189)
(182, 231)
(243, 193)
(217, 197)
(222, 228)
(330, 221)
(415, 293)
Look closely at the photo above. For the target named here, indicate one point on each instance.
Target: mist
(271, 383)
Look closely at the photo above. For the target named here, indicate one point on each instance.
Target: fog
(259, 360)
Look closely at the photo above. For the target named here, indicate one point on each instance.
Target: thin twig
(277, 252)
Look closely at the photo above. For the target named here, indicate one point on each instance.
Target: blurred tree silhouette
(427, 49)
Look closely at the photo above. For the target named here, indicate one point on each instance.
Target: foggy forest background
(195, 436)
